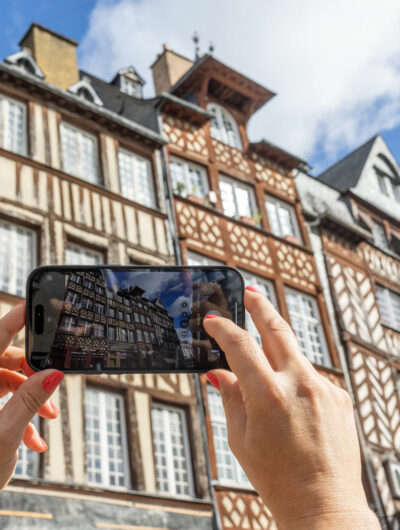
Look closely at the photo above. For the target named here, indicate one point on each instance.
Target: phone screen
(129, 319)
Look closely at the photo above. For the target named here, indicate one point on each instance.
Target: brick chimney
(168, 68)
(54, 54)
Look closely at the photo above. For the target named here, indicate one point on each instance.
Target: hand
(31, 396)
(291, 429)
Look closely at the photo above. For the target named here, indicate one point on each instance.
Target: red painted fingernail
(252, 289)
(54, 407)
(44, 444)
(211, 316)
(52, 381)
(213, 380)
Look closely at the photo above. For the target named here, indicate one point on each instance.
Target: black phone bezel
(71, 268)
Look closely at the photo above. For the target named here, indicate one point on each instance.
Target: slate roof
(346, 172)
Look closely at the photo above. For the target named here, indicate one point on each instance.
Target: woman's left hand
(31, 394)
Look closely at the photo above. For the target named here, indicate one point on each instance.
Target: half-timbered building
(81, 183)
(353, 209)
(235, 202)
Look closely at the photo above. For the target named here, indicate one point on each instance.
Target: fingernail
(213, 380)
(54, 407)
(44, 444)
(211, 316)
(52, 381)
(20, 303)
(252, 289)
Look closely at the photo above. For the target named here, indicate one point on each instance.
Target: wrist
(357, 519)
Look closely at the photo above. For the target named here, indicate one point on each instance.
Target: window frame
(135, 157)
(80, 173)
(376, 227)
(12, 286)
(326, 359)
(218, 129)
(389, 295)
(194, 258)
(187, 165)
(235, 185)
(4, 115)
(278, 203)
(82, 250)
(104, 446)
(166, 408)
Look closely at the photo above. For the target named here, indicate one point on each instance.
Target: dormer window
(388, 178)
(129, 81)
(84, 90)
(223, 126)
(25, 62)
(130, 87)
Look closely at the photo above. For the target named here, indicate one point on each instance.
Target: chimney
(54, 54)
(168, 68)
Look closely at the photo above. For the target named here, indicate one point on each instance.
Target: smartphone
(134, 319)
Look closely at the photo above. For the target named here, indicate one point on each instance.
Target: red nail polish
(213, 380)
(52, 381)
(252, 289)
(54, 407)
(211, 316)
(44, 444)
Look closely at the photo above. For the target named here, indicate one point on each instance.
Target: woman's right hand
(291, 429)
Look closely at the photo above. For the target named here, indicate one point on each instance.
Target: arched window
(223, 126)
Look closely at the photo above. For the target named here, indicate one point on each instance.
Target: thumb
(22, 406)
(235, 412)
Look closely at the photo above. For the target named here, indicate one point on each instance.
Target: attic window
(84, 90)
(130, 87)
(223, 126)
(24, 61)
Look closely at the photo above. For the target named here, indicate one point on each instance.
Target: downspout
(346, 372)
(197, 384)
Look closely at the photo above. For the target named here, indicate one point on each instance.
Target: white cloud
(335, 65)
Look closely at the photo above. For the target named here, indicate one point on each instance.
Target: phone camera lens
(39, 319)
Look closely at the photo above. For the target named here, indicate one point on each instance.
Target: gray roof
(345, 173)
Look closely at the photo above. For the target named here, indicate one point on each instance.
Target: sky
(335, 66)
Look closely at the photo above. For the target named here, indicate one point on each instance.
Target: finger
(11, 381)
(235, 412)
(20, 409)
(11, 324)
(243, 354)
(278, 340)
(13, 358)
(33, 440)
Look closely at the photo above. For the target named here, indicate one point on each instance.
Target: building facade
(82, 183)
(353, 209)
(236, 203)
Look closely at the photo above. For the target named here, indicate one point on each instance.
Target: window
(389, 306)
(136, 316)
(99, 290)
(28, 461)
(188, 178)
(111, 332)
(17, 257)
(80, 255)
(146, 336)
(85, 327)
(393, 473)
(265, 287)
(237, 198)
(282, 218)
(131, 336)
(99, 308)
(379, 233)
(107, 457)
(98, 330)
(143, 319)
(136, 178)
(68, 323)
(171, 451)
(305, 320)
(198, 259)
(79, 153)
(76, 278)
(383, 184)
(87, 283)
(139, 334)
(123, 334)
(396, 191)
(130, 87)
(73, 298)
(87, 303)
(120, 315)
(229, 469)
(223, 126)
(128, 317)
(13, 133)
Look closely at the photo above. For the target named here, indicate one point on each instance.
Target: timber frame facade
(59, 213)
(208, 235)
(355, 228)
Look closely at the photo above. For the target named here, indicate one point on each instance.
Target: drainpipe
(346, 372)
(197, 384)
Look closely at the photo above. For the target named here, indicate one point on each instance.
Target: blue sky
(335, 66)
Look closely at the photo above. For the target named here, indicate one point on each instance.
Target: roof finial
(211, 48)
(196, 39)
